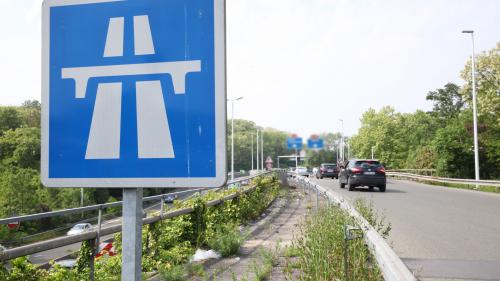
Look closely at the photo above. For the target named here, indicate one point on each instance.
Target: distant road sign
(294, 143)
(315, 143)
(133, 93)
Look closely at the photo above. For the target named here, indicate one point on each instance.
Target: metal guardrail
(392, 267)
(495, 183)
(108, 205)
(8, 254)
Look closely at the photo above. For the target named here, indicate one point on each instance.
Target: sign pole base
(132, 234)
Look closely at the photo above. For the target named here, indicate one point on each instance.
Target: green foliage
(245, 134)
(10, 119)
(173, 273)
(448, 102)
(487, 83)
(443, 138)
(21, 148)
(374, 219)
(320, 249)
(84, 257)
(22, 270)
(454, 146)
(226, 240)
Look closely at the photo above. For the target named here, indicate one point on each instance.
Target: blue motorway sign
(133, 93)
(294, 143)
(315, 143)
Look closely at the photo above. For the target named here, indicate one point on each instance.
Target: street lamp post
(342, 140)
(373, 148)
(257, 152)
(348, 151)
(262, 150)
(251, 137)
(232, 135)
(474, 108)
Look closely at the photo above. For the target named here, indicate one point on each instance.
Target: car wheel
(370, 188)
(320, 177)
(382, 188)
(349, 185)
(342, 185)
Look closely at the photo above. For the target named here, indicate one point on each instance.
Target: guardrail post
(317, 198)
(162, 204)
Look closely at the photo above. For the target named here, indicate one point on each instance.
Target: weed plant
(227, 240)
(319, 248)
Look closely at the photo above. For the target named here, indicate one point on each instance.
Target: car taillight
(356, 170)
(381, 170)
(322, 169)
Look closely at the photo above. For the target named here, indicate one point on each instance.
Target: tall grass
(319, 248)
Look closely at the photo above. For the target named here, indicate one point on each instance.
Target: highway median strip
(167, 243)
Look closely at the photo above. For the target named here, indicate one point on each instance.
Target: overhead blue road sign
(133, 93)
(294, 143)
(315, 143)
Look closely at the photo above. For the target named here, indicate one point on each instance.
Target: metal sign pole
(132, 234)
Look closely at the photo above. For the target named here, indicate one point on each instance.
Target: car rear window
(329, 166)
(367, 164)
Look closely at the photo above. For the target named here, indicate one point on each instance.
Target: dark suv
(362, 172)
(327, 170)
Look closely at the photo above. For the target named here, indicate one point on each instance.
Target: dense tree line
(245, 135)
(441, 139)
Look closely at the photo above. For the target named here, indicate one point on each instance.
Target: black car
(327, 171)
(362, 172)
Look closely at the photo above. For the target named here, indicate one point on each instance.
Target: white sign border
(220, 112)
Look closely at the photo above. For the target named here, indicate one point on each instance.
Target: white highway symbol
(153, 132)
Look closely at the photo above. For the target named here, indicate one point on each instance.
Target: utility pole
(257, 140)
(342, 140)
(262, 150)
(348, 151)
(474, 106)
(251, 137)
(232, 135)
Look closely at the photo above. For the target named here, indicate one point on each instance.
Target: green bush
(174, 273)
(168, 244)
(227, 240)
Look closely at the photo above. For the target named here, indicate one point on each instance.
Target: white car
(302, 171)
(80, 228)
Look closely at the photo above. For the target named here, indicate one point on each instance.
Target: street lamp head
(239, 98)
(467, 31)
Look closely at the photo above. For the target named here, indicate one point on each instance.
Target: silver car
(302, 171)
(80, 228)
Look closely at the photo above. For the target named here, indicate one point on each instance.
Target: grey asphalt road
(440, 233)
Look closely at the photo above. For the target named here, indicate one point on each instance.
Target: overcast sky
(301, 65)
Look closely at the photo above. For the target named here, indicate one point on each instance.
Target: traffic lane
(437, 222)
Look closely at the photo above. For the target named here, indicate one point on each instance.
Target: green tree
(31, 113)
(454, 148)
(10, 119)
(448, 101)
(487, 82)
(21, 147)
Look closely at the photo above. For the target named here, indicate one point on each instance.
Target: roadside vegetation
(319, 251)
(168, 244)
(442, 138)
